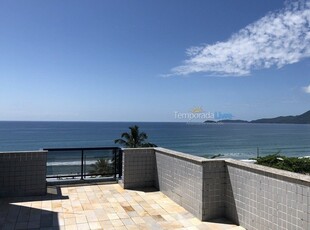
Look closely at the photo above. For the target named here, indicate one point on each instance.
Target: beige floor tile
(77, 208)
(133, 214)
(68, 215)
(80, 219)
(94, 225)
(120, 228)
(143, 227)
(128, 208)
(111, 207)
(158, 218)
(123, 215)
(137, 208)
(192, 228)
(128, 221)
(112, 200)
(60, 227)
(138, 220)
(113, 216)
(96, 205)
(87, 206)
(195, 221)
(186, 223)
(83, 226)
(121, 199)
(71, 227)
(131, 227)
(106, 224)
(117, 223)
(58, 221)
(102, 217)
(70, 221)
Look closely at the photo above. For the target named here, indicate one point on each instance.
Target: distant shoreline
(299, 119)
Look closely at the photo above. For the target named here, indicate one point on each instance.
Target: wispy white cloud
(277, 39)
(306, 89)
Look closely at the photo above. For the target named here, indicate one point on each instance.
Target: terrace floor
(100, 206)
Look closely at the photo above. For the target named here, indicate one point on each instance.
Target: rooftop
(178, 192)
(100, 206)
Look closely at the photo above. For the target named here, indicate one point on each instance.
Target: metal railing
(84, 163)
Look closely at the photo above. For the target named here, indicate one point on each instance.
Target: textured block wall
(22, 173)
(253, 196)
(263, 198)
(138, 168)
(195, 183)
(180, 178)
(214, 187)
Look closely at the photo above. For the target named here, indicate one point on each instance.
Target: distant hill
(209, 121)
(299, 119)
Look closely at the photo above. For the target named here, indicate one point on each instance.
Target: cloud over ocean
(278, 39)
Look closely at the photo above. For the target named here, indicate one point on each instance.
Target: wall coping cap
(134, 149)
(268, 170)
(185, 156)
(14, 152)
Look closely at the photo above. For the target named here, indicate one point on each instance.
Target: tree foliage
(101, 167)
(134, 139)
(293, 164)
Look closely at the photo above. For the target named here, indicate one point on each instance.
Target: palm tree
(101, 167)
(134, 139)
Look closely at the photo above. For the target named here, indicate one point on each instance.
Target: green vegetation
(134, 139)
(292, 164)
(213, 156)
(102, 167)
(216, 156)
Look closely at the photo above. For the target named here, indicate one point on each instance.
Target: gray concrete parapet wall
(23, 173)
(259, 197)
(138, 168)
(180, 179)
(253, 196)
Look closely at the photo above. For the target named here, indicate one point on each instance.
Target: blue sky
(145, 60)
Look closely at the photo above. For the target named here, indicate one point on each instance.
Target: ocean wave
(71, 163)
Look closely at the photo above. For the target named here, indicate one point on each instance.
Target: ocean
(238, 141)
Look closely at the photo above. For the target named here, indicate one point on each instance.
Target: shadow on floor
(18, 213)
(220, 221)
(53, 193)
(15, 216)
